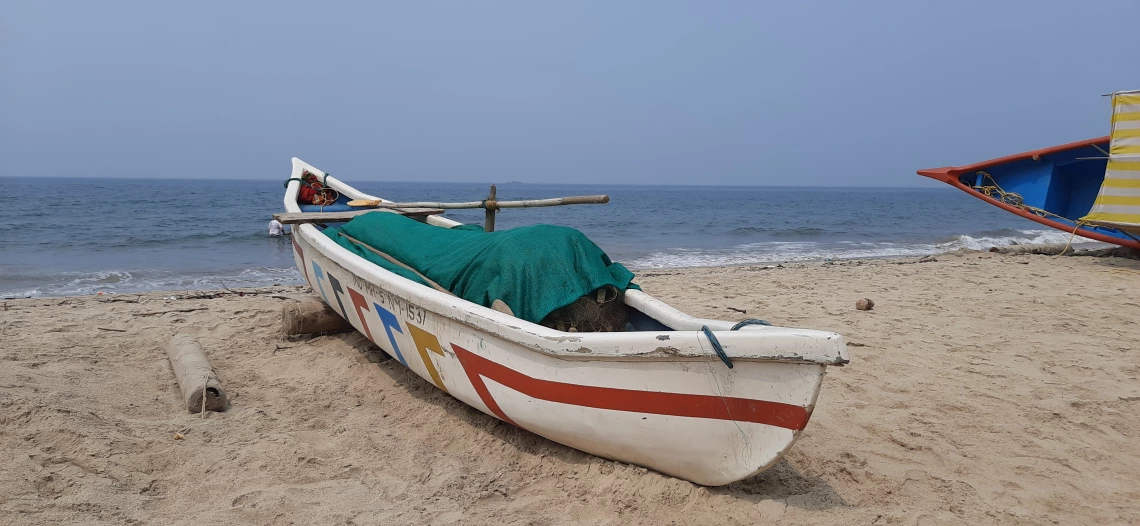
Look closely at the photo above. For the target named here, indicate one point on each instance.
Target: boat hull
(1059, 184)
(659, 399)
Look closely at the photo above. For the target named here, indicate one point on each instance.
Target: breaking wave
(123, 281)
(779, 251)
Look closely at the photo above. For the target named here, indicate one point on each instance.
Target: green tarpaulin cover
(533, 269)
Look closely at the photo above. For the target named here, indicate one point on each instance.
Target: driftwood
(1058, 249)
(156, 313)
(201, 389)
(1115, 252)
(1044, 250)
(311, 316)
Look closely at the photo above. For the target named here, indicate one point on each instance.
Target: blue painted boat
(1056, 187)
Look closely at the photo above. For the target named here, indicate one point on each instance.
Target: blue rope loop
(749, 321)
(716, 346)
(298, 179)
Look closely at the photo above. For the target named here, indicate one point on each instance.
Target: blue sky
(766, 93)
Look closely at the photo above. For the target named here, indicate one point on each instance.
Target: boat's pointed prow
(1055, 187)
(940, 174)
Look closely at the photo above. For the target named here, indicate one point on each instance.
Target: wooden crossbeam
(296, 218)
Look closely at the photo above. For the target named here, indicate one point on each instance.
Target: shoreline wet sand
(983, 388)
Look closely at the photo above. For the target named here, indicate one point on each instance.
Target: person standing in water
(277, 229)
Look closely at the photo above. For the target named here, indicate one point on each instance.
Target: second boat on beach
(710, 401)
(1090, 188)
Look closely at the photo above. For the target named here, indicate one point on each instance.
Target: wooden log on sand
(1044, 250)
(311, 316)
(1058, 249)
(201, 389)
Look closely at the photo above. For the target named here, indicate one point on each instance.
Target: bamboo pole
(530, 203)
(492, 209)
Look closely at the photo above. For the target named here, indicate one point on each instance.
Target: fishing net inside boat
(603, 310)
(535, 270)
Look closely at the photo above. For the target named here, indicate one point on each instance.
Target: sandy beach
(983, 388)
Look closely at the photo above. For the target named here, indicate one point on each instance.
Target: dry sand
(982, 389)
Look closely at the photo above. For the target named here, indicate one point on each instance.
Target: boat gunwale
(666, 346)
(954, 171)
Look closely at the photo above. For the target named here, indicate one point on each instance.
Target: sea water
(82, 236)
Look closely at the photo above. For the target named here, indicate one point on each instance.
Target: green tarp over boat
(534, 269)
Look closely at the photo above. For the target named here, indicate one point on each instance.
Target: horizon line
(83, 177)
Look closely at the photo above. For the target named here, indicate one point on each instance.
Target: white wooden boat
(658, 397)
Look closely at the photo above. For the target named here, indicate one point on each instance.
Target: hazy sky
(770, 93)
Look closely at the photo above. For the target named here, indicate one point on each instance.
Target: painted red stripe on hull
(775, 414)
(301, 254)
(361, 305)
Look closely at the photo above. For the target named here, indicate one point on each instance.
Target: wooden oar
(557, 201)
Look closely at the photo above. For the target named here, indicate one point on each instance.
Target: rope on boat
(716, 346)
(1015, 200)
(325, 188)
(1070, 243)
(716, 343)
(324, 180)
(749, 321)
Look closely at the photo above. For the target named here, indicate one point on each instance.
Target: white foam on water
(779, 251)
(1030, 237)
(96, 280)
(127, 281)
(121, 281)
(29, 293)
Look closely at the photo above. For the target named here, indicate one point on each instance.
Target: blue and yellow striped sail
(1118, 204)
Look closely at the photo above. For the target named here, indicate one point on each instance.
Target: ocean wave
(123, 281)
(116, 242)
(803, 232)
(794, 232)
(1022, 237)
(779, 251)
(749, 230)
(30, 283)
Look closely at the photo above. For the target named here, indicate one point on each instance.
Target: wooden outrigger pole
(491, 205)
